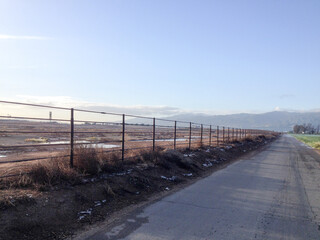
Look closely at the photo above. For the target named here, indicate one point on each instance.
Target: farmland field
(311, 140)
(31, 140)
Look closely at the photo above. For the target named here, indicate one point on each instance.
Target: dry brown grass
(52, 172)
(88, 160)
(57, 170)
(249, 138)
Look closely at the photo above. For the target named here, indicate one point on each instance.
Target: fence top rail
(34, 105)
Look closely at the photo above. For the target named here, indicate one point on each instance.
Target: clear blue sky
(215, 56)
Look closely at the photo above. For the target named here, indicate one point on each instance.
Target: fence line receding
(34, 132)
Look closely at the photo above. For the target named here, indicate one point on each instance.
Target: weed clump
(52, 172)
(249, 139)
(88, 160)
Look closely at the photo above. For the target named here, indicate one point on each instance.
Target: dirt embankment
(61, 210)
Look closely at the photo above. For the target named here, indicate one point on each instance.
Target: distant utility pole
(50, 116)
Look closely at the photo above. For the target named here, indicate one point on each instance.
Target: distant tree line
(306, 129)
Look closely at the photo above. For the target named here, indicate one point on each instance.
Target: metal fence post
(228, 135)
(154, 135)
(123, 135)
(175, 135)
(210, 136)
(190, 136)
(232, 134)
(218, 136)
(71, 137)
(201, 135)
(223, 135)
(236, 134)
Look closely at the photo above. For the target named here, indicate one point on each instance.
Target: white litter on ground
(89, 211)
(209, 164)
(83, 214)
(187, 174)
(120, 173)
(169, 179)
(189, 155)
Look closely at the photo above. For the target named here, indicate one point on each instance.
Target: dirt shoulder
(64, 211)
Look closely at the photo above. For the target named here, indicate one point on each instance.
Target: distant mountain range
(277, 120)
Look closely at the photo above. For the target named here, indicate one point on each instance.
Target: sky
(162, 57)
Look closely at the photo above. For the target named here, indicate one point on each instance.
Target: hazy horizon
(149, 111)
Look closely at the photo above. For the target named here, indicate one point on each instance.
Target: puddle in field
(86, 143)
(102, 145)
(64, 142)
(161, 140)
(2, 155)
(171, 140)
(106, 145)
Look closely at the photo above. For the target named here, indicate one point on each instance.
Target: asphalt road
(273, 194)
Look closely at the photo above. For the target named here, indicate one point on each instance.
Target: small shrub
(249, 139)
(87, 160)
(52, 172)
(22, 181)
(111, 162)
(170, 157)
(150, 155)
(146, 156)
